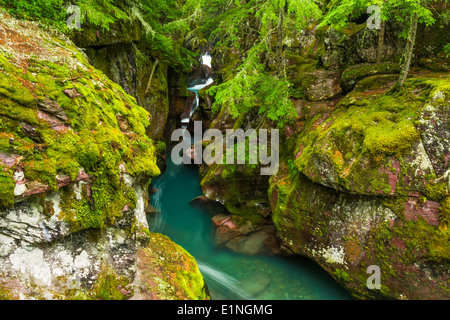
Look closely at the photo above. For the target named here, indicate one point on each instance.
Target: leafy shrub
(51, 12)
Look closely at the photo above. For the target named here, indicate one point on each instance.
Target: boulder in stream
(211, 206)
(241, 236)
(256, 283)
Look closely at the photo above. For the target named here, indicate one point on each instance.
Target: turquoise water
(229, 275)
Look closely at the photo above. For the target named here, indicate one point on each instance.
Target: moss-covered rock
(348, 233)
(67, 122)
(369, 186)
(76, 160)
(355, 73)
(371, 143)
(168, 272)
(240, 188)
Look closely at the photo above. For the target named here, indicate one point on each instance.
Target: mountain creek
(231, 275)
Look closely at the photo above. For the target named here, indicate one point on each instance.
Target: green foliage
(447, 49)
(342, 11)
(166, 27)
(253, 87)
(103, 13)
(163, 22)
(297, 13)
(50, 12)
(257, 29)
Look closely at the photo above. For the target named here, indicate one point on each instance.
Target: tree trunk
(280, 37)
(151, 75)
(381, 41)
(408, 51)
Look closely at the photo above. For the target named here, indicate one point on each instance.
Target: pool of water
(230, 275)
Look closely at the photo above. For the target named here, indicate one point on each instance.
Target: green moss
(419, 236)
(378, 82)
(226, 173)
(176, 272)
(436, 191)
(6, 189)
(299, 65)
(444, 212)
(87, 218)
(161, 147)
(88, 155)
(365, 131)
(342, 276)
(387, 137)
(5, 146)
(295, 212)
(11, 86)
(355, 73)
(108, 285)
(91, 138)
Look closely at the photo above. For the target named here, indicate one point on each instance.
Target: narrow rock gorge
(87, 117)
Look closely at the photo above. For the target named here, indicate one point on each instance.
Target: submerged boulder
(242, 236)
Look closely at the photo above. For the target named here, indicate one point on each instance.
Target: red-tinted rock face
(429, 210)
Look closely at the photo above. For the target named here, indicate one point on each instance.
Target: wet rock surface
(244, 238)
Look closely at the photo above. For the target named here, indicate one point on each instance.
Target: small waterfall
(199, 87)
(206, 60)
(196, 103)
(226, 282)
(157, 221)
